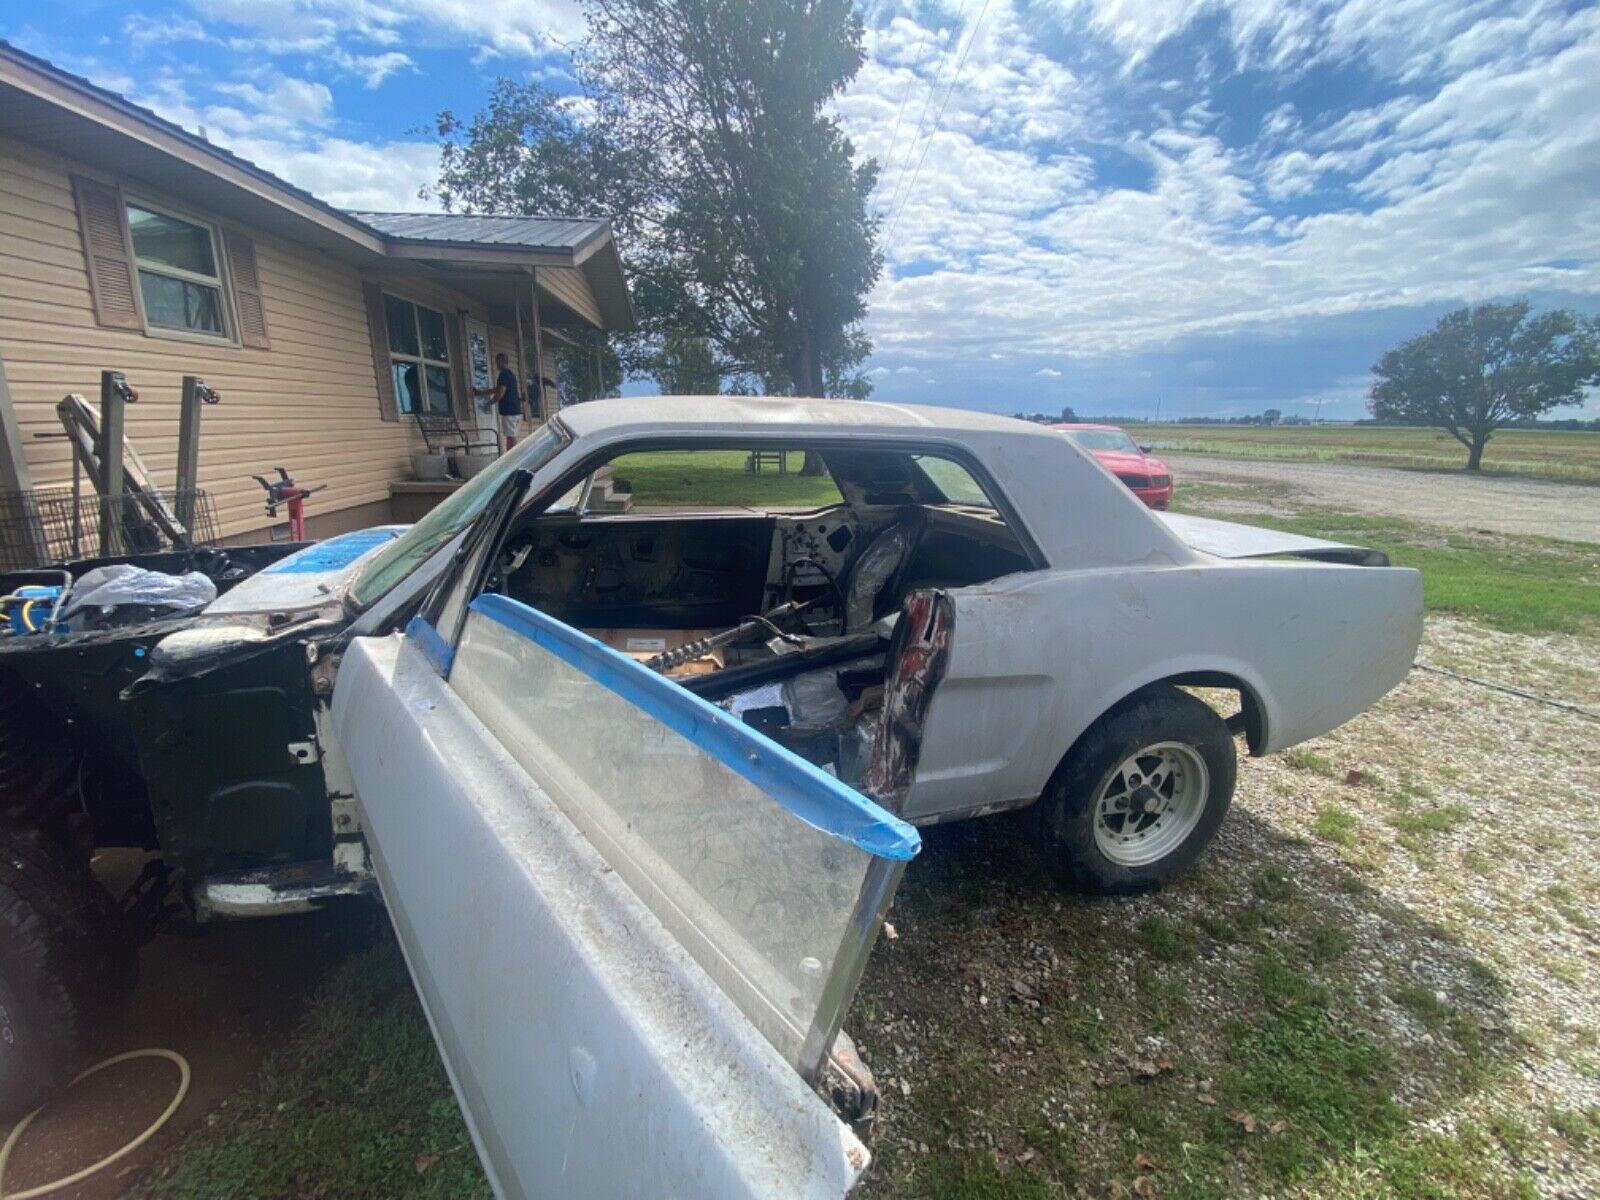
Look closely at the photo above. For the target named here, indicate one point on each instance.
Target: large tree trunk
(810, 382)
(1475, 454)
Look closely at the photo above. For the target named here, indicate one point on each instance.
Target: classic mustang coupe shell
(1117, 597)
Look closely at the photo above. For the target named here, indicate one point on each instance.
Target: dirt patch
(223, 1000)
(1450, 501)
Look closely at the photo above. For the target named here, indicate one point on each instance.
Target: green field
(1565, 456)
(659, 479)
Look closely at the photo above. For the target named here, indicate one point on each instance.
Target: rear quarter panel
(1037, 658)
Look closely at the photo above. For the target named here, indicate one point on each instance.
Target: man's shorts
(510, 425)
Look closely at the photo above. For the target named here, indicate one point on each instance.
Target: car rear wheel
(1140, 795)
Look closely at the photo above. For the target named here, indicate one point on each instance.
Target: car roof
(1048, 478)
(778, 414)
(1087, 425)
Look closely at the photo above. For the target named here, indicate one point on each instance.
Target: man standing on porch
(506, 395)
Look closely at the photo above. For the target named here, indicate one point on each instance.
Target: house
(129, 243)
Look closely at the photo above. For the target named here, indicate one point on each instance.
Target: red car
(1126, 459)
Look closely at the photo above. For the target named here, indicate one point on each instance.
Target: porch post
(112, 391)
(194, 393)
(14, 475)
(538, 352)
(17, 509)
(522, 350)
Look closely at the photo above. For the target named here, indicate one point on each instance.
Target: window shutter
(247, 300)
(378, 327)
(460, 381)
(108, 251)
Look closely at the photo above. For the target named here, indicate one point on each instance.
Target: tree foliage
(1486, 365)
(740, 208)
(686, 366)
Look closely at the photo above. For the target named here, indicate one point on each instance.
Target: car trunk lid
(1228, 539)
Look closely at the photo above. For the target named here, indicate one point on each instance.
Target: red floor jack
(287, 492)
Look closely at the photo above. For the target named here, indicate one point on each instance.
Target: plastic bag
(814, 700)
(106, 589)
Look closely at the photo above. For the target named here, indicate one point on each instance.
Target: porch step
(605, 496)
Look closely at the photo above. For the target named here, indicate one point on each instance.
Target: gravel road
(1491, 503)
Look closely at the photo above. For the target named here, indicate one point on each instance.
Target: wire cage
(56, 524)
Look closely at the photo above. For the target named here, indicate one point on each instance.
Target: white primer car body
(635, 921)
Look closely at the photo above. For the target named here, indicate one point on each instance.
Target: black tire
(66, 963)
(1067, 812)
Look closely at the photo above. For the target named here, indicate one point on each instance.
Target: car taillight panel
(919, 652)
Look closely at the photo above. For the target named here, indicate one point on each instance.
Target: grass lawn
(1562, 455)
(1522, 585)
(355, 1104)
(718, 478)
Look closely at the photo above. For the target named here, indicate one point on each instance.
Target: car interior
(782, 613)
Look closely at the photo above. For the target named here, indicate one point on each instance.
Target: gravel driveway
(1451, 501)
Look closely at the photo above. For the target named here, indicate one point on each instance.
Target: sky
(1138, 207)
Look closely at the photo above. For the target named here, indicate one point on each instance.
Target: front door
(635, 923)
(480, 369)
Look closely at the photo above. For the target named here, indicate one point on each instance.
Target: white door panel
(609, 1031)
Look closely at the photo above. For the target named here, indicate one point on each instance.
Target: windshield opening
(403, 555)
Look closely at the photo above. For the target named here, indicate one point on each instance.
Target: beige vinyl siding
(309, 403)
(568, 285)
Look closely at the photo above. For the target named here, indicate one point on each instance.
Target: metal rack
(48, 525)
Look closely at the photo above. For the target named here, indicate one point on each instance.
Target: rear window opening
(772, 592)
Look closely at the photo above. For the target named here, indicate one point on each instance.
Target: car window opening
(767, 591)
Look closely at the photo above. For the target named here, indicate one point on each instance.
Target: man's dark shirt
(511, 400)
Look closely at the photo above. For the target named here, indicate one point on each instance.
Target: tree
(766, 228)
(1483, 366)
(587, 370)
(686, 366)
(740, 210)
(1272, 416)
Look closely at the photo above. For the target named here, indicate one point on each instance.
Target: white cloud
(511, 28)
(143, 31)
(1047, 373)
(371, 69)
(374, 176)
(1476, 173)
(287, 126)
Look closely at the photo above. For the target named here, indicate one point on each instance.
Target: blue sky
(1210, 206)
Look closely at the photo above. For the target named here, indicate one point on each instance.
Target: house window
(419, 356)
(179, 276)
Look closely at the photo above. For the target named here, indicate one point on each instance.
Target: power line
(894, 220)
(910, 87)
(922, 117)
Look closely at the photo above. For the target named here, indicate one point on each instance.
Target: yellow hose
(45, 1189)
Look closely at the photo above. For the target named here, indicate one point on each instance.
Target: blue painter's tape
(332, 555)
(434, 648)
(803, 788)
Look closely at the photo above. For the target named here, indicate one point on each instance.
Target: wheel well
(1251, 717)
